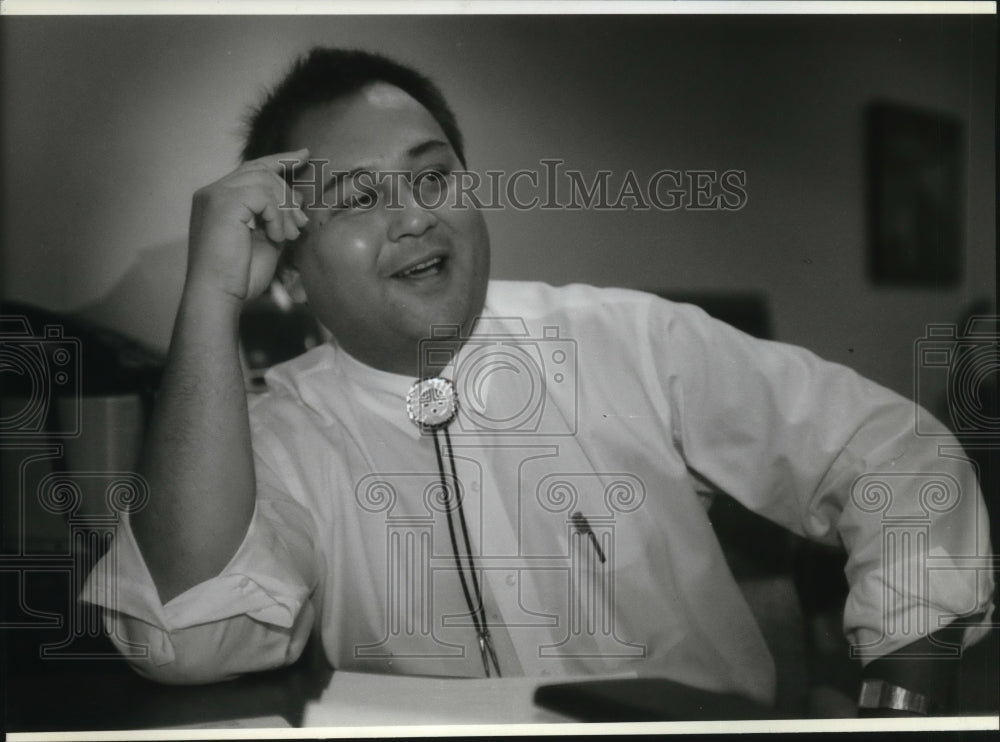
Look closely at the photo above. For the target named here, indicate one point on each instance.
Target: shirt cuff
(263, 581)
(879, 619)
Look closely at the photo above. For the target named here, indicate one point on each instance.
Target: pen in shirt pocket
(582, 526)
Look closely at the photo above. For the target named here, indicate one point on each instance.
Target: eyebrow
(413, 152)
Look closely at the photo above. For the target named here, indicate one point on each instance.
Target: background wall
(110, 123)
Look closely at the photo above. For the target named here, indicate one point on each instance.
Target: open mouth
(425, 268)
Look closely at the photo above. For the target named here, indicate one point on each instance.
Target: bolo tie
(432, 405)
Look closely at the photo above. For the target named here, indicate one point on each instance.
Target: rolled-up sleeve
(255, 614)
(837, 458)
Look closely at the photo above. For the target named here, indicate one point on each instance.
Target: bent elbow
(214, 651)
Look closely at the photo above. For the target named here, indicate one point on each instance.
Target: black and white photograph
(494, 367)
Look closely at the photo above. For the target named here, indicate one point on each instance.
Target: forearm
(197, 456)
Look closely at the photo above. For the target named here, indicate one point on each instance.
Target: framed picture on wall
(915, 195)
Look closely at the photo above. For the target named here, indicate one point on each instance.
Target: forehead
(375, 126)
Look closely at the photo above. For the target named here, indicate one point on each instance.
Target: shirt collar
(373, 379)
(394, 387)
(370, 378)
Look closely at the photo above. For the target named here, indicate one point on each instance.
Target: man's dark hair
(323, 75)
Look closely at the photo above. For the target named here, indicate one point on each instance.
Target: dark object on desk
(646, 699)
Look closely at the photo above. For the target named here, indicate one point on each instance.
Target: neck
(418, 360)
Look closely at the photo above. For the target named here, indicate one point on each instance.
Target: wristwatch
(879, 694)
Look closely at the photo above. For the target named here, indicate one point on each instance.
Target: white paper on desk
(364, 699)
(255, 722)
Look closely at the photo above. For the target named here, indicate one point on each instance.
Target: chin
(423, 329)
(461, 311)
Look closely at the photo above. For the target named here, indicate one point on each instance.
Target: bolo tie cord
(476, 608)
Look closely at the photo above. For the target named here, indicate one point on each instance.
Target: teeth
(420, 266)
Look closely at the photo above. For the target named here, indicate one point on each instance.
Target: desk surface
(61, 695)
(84, 695)
(73, 693)
(360, 699)
(88, 687)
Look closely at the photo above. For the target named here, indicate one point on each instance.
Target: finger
(255, 177)
(291, 228)
(285, 194)
(258, 203)
(280, 162)
(289, 205)
(264, 202)
(273, 226)
(286, 202)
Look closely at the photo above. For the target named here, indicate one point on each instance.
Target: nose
(409, 218)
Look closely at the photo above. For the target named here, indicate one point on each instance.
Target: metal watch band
(878, 694)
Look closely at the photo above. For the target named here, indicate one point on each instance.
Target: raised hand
(239, 225)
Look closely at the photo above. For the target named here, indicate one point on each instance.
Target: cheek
(344, 255)
(470, 224)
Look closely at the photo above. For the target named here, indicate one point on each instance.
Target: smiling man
(380, 278)
(554, 522)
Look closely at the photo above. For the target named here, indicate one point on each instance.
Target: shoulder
(293, 387)
(537, 300)
(291, 375)
(582, 309)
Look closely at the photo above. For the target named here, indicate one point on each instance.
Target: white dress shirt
(614, 404)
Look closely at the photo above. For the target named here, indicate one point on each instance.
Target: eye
(361, 202)
(431, 182)
(436, 172)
